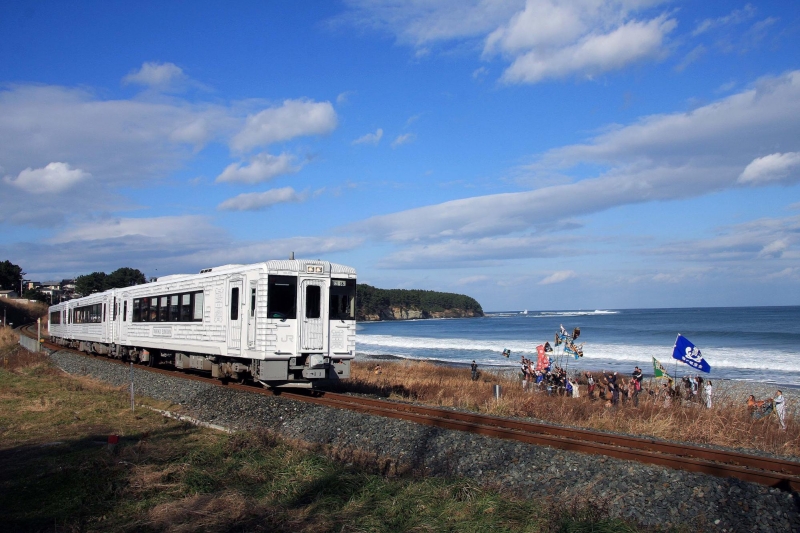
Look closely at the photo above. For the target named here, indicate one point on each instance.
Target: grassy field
(57, 473)
(728, 423)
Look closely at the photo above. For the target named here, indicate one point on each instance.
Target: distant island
(402, 304)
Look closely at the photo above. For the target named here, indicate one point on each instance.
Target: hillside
(402, 304)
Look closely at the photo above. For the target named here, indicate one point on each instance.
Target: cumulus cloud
(405, 138)
(294, 118)
(262, 167)
(255, 201)
(773, 168)
(590, 54)
(156, 75)
(558, 277)
(53, 178)
(540, 38)
(121, 142)
(370, 138)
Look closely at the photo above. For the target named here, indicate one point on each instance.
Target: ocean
(742, 343)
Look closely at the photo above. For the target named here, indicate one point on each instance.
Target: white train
(283, 323)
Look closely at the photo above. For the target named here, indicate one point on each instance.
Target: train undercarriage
(303, 371)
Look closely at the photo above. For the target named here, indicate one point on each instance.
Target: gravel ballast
(649, 495)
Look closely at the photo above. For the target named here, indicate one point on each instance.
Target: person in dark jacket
(474, 367)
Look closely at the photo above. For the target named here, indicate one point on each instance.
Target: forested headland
(402, 304)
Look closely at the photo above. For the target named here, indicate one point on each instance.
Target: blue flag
(686, 352)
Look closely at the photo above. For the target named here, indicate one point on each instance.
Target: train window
(124, 310)
(115, 308)
(136, 316)
(313, 301)
(342, 299)
(146, 302)
(186, 308)
(235, 303)
(174, 308)
(163, 309)
(282, 297)
(104, 312)
(55, 317)
(252, 302)
(198, 306)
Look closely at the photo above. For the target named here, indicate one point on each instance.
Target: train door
(123, 302)
(251, 315)
(312, 325)
(235, 300)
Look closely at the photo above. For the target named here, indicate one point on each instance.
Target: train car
(283, 323)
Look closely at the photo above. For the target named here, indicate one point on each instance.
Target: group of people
(552, 379)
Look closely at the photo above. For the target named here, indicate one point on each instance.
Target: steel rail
(639, 443)
(768, 471)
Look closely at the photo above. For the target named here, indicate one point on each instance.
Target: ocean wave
(489, 351)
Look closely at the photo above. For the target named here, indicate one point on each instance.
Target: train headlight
(314, 269)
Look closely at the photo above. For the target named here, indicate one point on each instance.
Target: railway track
(768, 471)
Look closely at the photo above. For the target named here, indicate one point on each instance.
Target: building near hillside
(8, 294)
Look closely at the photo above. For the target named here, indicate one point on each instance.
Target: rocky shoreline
(648, 495)
(404, 313)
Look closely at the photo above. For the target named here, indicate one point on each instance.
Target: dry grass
(728, 423)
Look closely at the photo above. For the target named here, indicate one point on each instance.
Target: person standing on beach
(474, 368)
(709, 390)
(780, 408)
(590, 382)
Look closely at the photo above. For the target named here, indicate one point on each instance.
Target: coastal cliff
(401, 304)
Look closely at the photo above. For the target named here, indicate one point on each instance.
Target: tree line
(370, 300)
(11, 277)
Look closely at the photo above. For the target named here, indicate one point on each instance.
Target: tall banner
(686, 352)
(542, 360)
(658, 370)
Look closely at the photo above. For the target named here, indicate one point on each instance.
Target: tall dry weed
(727, 424)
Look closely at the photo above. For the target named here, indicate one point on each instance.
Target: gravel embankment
(649, 495)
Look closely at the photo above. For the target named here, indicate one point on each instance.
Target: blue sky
(536, 154)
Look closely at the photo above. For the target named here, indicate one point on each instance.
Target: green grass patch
(57, 473)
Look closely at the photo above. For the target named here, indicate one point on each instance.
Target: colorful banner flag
(686, 352)
(542, 361)
(659, 371)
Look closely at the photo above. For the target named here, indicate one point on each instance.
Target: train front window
(282, 297)
(313, 301)
(343, 299)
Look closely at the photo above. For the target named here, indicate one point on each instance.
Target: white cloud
(734, 17)
(558, 277)
(294, 118)
(168, 229)
(767, 239)
(55, 177)
(255, 201)
(660, 157)
(541, 38)
(156, 75)
(343, 98)
(772, 168)
(594, 53)
(262, 167)
(462, 252)
(420, 22)
(370, 138)
(405, 138)
(158, 246)
(122, 142)
(696, 53)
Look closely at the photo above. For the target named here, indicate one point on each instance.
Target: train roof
(291, 265)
